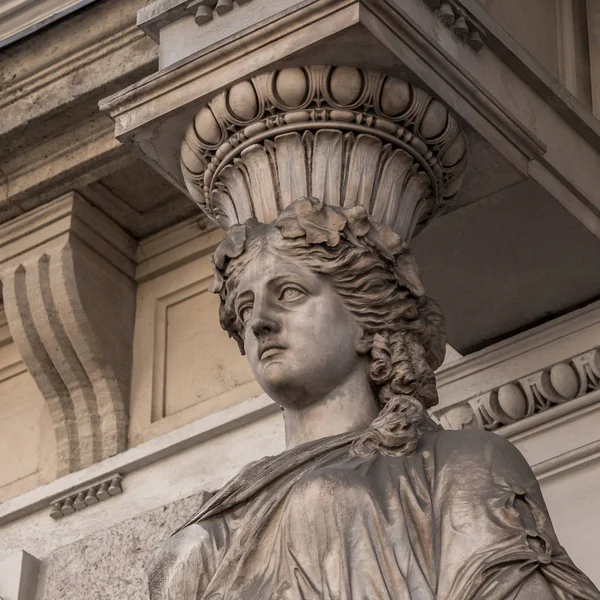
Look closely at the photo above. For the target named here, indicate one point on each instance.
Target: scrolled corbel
(69, 298)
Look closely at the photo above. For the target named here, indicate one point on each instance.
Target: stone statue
(371, 499)
(322, 175)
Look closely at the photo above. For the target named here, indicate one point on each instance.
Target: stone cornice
(510, 386)
(512, 402)
(80, 58)
(175, 87)
(180, 87)
(52, 138)
(446, 66)
(89, 52)
(19, 18)
(547, 344)
(71, 158)
(536, 76)
(184, 77)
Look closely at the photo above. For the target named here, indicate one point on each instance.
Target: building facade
(123, 404)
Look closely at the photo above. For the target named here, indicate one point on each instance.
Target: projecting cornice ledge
(20, 18)
(69, 296)
(495, 87)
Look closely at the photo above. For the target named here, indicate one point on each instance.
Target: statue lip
(269, 349)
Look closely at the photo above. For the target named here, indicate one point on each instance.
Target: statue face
(299, 337)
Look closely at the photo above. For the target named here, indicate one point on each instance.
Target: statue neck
(349, 407)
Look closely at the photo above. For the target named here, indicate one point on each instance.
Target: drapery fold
(461, 519)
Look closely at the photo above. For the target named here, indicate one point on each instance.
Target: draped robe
(461, 519)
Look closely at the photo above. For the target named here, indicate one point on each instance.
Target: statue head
(322, 291)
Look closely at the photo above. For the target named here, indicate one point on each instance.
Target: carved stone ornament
(451, 15)
(67, 276)
(204, 10)
(344, 135)
(88, 496)
(516, 400)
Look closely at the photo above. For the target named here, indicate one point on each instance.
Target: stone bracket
(67, 273)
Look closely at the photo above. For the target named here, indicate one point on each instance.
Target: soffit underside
(512, 260)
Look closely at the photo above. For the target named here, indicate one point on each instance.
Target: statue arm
(178, 570)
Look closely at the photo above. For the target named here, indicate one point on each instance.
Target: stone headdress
(344, 135)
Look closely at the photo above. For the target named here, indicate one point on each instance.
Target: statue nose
(264, 326)
(263, 322)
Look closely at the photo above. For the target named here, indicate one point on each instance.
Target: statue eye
(245, 312)
(290, 294)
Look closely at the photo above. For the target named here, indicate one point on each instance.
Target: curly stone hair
(379, 282)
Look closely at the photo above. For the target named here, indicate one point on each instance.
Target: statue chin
(283, 385)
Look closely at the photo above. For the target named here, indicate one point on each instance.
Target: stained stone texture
(110, 564)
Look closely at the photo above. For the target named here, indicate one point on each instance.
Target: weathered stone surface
(110, 564)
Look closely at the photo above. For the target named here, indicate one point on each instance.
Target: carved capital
(67, 274)
(344, 135)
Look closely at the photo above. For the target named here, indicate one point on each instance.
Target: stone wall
(110, 564)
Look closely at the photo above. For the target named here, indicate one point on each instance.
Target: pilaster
(67, 274)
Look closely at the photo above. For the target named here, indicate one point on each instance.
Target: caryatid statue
(322, 175)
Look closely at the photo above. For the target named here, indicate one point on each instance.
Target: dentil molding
(158, 14)
(67, 274)
(87, 496)
(451, 15)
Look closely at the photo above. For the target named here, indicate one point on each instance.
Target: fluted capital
(344, 135)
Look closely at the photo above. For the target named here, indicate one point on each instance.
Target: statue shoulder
(178, 563)
(480, 451)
